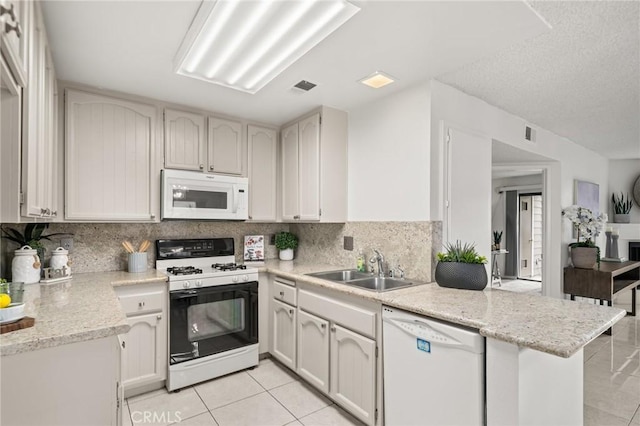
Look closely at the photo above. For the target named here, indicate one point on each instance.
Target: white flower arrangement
(585, 223)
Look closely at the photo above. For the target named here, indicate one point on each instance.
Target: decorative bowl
(12, 313)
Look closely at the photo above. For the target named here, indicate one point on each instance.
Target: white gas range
(213, 310)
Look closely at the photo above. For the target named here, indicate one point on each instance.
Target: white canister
(25, 266)
(60, 259)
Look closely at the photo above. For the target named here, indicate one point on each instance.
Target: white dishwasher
(433, 372)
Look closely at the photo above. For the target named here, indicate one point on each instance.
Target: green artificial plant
(620, 206)
(458, 252)
(32, 235)
(286, 240)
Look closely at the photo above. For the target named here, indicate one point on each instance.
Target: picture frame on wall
(587, 194)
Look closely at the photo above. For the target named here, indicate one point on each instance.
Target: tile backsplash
(96, 246)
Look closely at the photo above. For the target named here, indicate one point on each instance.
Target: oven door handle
(183, 294)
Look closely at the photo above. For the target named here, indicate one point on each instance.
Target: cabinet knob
(290, 311)
(10, 11)
(211, 168)
(250, 217)
(140, 304)
(282, 294)
(8, 28)
(123, 345)
(54, 213)
(323, 326)
(153, 216)
(296, 216)
(201, 166)
(333, 329)
(159, 317)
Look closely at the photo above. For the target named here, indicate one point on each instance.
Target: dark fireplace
(634, 250)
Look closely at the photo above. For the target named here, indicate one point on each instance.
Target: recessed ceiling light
(246, 44)
(377, 80)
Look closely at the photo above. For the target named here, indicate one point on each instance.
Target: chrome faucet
(379, 258)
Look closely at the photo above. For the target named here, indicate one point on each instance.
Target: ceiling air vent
(304, 85)
(529, 134)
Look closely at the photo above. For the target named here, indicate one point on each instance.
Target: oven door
(210, 320)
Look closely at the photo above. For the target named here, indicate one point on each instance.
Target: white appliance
(213, 310)
(433, 372)
(195, 195)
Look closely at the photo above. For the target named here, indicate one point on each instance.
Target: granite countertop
(82, 308)
(555, 326)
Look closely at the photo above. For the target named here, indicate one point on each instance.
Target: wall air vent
(305, 85)
(529, 134)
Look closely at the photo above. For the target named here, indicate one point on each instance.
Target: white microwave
(195, 195)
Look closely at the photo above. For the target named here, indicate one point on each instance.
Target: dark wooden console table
(603, 283)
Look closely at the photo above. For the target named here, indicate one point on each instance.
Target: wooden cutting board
(25, 322)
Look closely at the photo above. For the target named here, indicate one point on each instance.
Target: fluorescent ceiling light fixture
(377, 80)
(244, 44)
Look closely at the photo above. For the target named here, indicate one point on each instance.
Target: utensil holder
(137, 262)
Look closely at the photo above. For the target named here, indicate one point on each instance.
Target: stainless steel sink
(343, 275)
(379, 283)
(362, 279)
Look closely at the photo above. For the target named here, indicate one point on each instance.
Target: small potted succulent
(621, 208)
(460, 266)
(497, 238)
(286, 242)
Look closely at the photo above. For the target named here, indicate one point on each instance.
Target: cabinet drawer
(349, 316)
(284, 293)
(134, 304)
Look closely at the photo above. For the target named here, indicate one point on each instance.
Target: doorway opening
(530, 237)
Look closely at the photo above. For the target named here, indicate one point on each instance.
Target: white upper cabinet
(10, 136)
(225, 146)
(15, 25)
(314, 168)
(262, 151)
(110, 170)
(184, 140)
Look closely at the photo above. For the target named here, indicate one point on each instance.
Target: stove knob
(199, 283)
(245, 278)
(186, 284)
(234, 279)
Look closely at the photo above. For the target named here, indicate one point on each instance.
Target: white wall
(389, 178)
(622, 176)
(454, 107)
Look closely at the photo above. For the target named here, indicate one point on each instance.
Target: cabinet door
(309, 168)
(10, 137)
(289, 151)
(16, 26)
(353, 373)
(284, 333)
(144, 359)
(183, 140)
(313, 350)
(262, 147)
(109, 150)
(225, 146)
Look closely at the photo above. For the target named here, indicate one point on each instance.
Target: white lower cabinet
(284, 333)
(144, 347)
(353, 373)
(313, 350)
(330, 344)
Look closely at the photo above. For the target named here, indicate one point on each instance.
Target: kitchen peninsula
(530, 341)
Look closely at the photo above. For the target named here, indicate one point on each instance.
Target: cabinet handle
(282, 294)
(250, 217)
(296, 216)
(140, 304)
(153, 216)
(201, 166)
(123, 345)
(47, 212)
(290, 311)
(11, 12)
(8, 28)
(54, 213)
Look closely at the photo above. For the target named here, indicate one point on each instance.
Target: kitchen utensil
(128, 247)
(144, 246)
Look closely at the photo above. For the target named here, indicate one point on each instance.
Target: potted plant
(286, 242)
(460, 266)
(585, 254)
(621, 208)
(31, 237)
(497, 237)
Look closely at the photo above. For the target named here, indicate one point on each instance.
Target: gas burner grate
(184, 270)
(228, 266)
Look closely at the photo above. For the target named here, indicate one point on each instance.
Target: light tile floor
(271, 395)
(266, 395)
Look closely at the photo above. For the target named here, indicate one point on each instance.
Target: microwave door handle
(236, 198)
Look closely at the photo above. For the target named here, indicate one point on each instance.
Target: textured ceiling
(581, 80)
